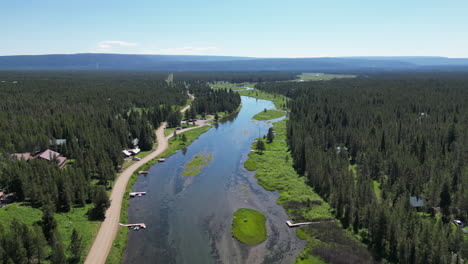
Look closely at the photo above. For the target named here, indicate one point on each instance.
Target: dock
(291, 224)
(141, 225)
(139, 194)
(143, 172)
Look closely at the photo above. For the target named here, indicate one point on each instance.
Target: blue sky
(256, 28)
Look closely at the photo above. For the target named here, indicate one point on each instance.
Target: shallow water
(188, 218)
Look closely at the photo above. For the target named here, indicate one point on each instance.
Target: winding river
(188, 218)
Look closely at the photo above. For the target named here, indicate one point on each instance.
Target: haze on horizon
(301, 28)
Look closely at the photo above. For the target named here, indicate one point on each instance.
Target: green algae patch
(197, 163)
(249, 226)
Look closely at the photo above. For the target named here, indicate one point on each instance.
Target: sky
(253, 28)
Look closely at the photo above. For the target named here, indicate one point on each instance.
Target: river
(189, 218)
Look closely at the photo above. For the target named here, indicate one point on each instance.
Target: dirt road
(105, 237)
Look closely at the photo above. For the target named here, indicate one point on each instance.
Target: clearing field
(269, 114)
(197, 163)
(312, 76)
(248, 226)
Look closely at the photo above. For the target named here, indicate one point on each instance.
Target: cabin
(340, 149)
(51, 155)
(48, 155)
(58, 142)
(416, 202)
(23, 156)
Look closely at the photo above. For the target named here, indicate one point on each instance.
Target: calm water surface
(188, 218)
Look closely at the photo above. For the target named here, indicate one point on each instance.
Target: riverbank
(175, 144)
(274, 171)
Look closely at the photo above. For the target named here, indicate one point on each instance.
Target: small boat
(136, 228)
(161, 160)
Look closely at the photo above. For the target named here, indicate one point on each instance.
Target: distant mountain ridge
(137, 62)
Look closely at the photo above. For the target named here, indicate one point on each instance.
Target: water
(189, 218)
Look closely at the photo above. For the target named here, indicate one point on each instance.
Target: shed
(126, 153)
(416, 201)
(135, 151)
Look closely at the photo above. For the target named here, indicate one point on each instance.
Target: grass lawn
(198, 162)
(77, 218)
(269, 114)
(175, 144)
(312, 76)
(249, 226)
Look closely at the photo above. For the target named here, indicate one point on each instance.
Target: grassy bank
(279, 100)
(328, 242)
(197, 163)
(248, 226)
(269, 114)
(175, 144)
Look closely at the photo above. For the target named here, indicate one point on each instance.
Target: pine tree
(445, 200)
(260, 145)
(101, 203)
(76, 247)
(270, 135)
(48, 223)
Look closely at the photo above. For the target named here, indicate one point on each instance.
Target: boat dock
(141, 225)
(139, 194)
(291, 224)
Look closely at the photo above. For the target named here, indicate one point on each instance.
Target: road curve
(105, 237)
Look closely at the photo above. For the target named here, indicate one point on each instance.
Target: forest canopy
(369, 146)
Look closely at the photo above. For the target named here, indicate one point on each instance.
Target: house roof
(25, 156)
(416, 202)
(126, 152)
(49, 155)
(135, 150)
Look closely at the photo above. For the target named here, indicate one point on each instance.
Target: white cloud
(184, 50)
(108, 45)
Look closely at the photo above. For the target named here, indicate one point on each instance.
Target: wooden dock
(139, 194)
(291, 224)
(143, 172)
(141, 225)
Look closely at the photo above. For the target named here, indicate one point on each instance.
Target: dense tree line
(369, 144)
(209, 101)
(235, 77)
(99, 115)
